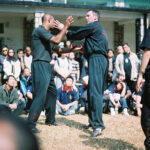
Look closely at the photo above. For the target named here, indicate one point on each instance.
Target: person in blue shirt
(67, 98)
(26, 88)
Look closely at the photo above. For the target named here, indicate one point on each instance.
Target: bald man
(44, 90)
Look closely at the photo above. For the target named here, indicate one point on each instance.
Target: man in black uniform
(95, 49)
(44, 90)
(145, 70)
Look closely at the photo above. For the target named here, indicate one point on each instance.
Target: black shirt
(95, 38)
(127, 65)
(41, 44)
(146, 44)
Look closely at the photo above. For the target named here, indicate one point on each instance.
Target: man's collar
(64, 89)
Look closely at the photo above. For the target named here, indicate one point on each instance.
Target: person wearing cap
(145, 73)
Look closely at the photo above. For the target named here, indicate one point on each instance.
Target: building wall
(129, 35)
(13, 31)
(109, 27)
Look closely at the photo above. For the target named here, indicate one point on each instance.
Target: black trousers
(145, 117)
(131, 84)
(44, 92)
(97, 75)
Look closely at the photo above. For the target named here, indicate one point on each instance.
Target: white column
(38, 19)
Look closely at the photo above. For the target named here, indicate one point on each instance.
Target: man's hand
(66, 107)
(13, 106)
(140, 82)
(77, 49)
(69, 21)
(62, 107)
(110, 74)
(59, 25)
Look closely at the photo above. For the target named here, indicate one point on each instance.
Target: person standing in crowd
(111, 63)
(2, 57)
(75, 68)
(95, 49)
(145, 71)
(20, 58)
(63, 69)
(28, 57)
(11, 66)
(127, 65)
(44, 89)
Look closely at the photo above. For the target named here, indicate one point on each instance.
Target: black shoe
(54, 124)
(35, 130)
(87, 126)
(96, 132)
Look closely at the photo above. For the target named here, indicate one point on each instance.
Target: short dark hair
(19, 50)
(96, 12)
(111, 50)
(125, 44)
(10, 77)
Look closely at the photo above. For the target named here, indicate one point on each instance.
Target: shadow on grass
(98, 143)
(107, 143)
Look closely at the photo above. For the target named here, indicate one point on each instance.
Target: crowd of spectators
(71, 79)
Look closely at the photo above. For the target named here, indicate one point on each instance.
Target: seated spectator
(11, 66)
(28, 57)
(67, 98)
(26, 87)
(20, 58)
(117, 99)
(2, 58)
(111, 62)
(8, 94)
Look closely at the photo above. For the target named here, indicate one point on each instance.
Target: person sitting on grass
(26, 88)
(117, 99)
(8, 94)
(67, 98)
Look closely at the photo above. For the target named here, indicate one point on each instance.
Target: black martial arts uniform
(44, 90)
(145, 117)
(95, 50)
